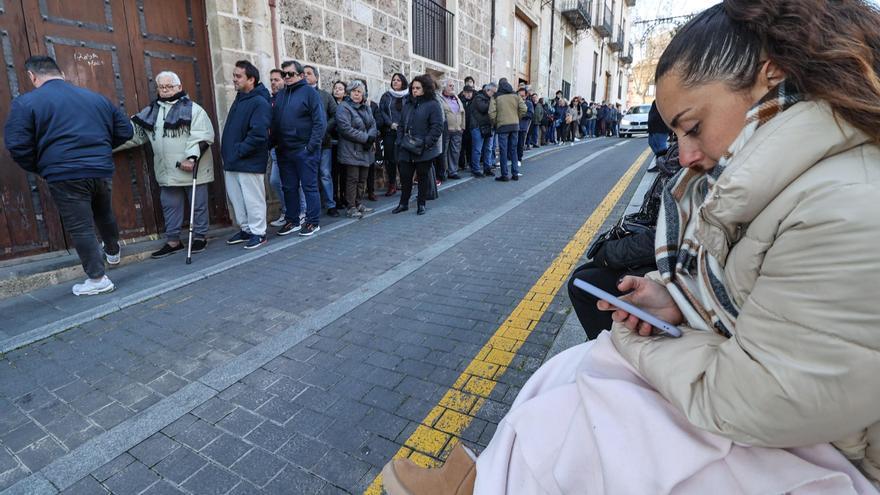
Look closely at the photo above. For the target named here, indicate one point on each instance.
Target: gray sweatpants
(452, 147)
(174, 199)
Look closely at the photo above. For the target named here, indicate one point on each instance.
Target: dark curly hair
(829, 50)
(427, 83)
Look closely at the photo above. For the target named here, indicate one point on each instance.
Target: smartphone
(662, 326)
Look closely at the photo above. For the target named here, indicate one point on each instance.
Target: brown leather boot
(455, 477)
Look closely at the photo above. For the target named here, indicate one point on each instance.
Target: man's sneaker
(501, 178)
(280, 222)
(198, 245)
(353, 213)
(515, 176)
(91, 287)
(255, 241)
(332, 212)
(166, 250)
(113, 259)
(364, 210)
(309, 229)
(289, 228)
(239, 237)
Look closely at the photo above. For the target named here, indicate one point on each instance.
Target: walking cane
(192, 213)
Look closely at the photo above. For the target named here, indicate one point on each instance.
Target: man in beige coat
(454, 111)
(181, 133)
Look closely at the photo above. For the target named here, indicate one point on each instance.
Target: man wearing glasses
(180, 132)
(298, 125)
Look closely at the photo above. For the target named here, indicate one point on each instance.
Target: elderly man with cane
(180, 133)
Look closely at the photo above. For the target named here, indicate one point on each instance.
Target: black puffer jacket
(636, 249)
(479, 110)
(423, 119)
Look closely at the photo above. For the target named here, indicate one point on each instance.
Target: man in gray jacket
(325, 177)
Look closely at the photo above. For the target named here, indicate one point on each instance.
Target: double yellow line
(438, 432)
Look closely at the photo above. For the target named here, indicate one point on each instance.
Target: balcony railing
(433, 35)
(627, 58)
(578, 12)
(605, 21)
(617, 44)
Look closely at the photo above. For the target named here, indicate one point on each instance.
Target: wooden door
(114, 47)
(90, 42)
(28, 218)
(522, 36)
(172, 35)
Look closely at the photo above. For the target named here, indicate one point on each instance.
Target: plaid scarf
(177, 120)
(693, 275)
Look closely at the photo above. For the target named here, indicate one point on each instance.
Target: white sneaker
(113, 259)
(280, 222)
(91, 288)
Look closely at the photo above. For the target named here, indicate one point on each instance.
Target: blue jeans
(521, 144)
(658, 142)
(507, 141)
(550, 135)
(591, 128)
(533, 134)
(480, 153)
(299, 169)
(327, 176)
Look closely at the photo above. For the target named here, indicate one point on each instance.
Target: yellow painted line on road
(439, 431)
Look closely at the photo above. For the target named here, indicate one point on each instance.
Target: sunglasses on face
(290, 74)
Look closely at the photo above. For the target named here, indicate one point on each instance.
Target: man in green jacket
(505, 111)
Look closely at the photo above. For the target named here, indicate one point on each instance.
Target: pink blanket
(586, 423)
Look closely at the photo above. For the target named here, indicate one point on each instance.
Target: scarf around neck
(694, 275)
(177, 120)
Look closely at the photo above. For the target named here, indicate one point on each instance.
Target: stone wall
(369, 40)
(237, 30)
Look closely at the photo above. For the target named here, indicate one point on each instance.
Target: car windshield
(639, 109)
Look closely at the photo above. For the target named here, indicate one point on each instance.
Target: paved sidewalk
(45, 312)
(305, 370)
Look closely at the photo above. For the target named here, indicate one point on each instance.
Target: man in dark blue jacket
(245, 152)
(67, 135)
(298, 124)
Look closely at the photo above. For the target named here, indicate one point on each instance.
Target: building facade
(116, 47)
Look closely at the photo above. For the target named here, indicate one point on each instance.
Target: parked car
(635, 120)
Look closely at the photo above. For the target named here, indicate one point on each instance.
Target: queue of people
(321, 150)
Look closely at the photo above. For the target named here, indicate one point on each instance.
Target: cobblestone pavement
(306, 369)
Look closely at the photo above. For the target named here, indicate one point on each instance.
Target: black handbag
(626, 246)
(415, 145)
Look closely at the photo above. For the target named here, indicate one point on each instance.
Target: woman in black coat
(390, 111)
(421, 127)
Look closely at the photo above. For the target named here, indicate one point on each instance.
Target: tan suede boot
(455, 477)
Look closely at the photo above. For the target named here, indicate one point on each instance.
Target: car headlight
(624, 122)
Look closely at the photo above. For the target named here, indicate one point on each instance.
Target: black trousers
(407, 170)
(464, 158)
(83, 204)
(592, 319)
(389, 144)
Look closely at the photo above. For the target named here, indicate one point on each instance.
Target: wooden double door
(114, 47)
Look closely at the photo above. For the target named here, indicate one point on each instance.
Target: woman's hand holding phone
(648, 295)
